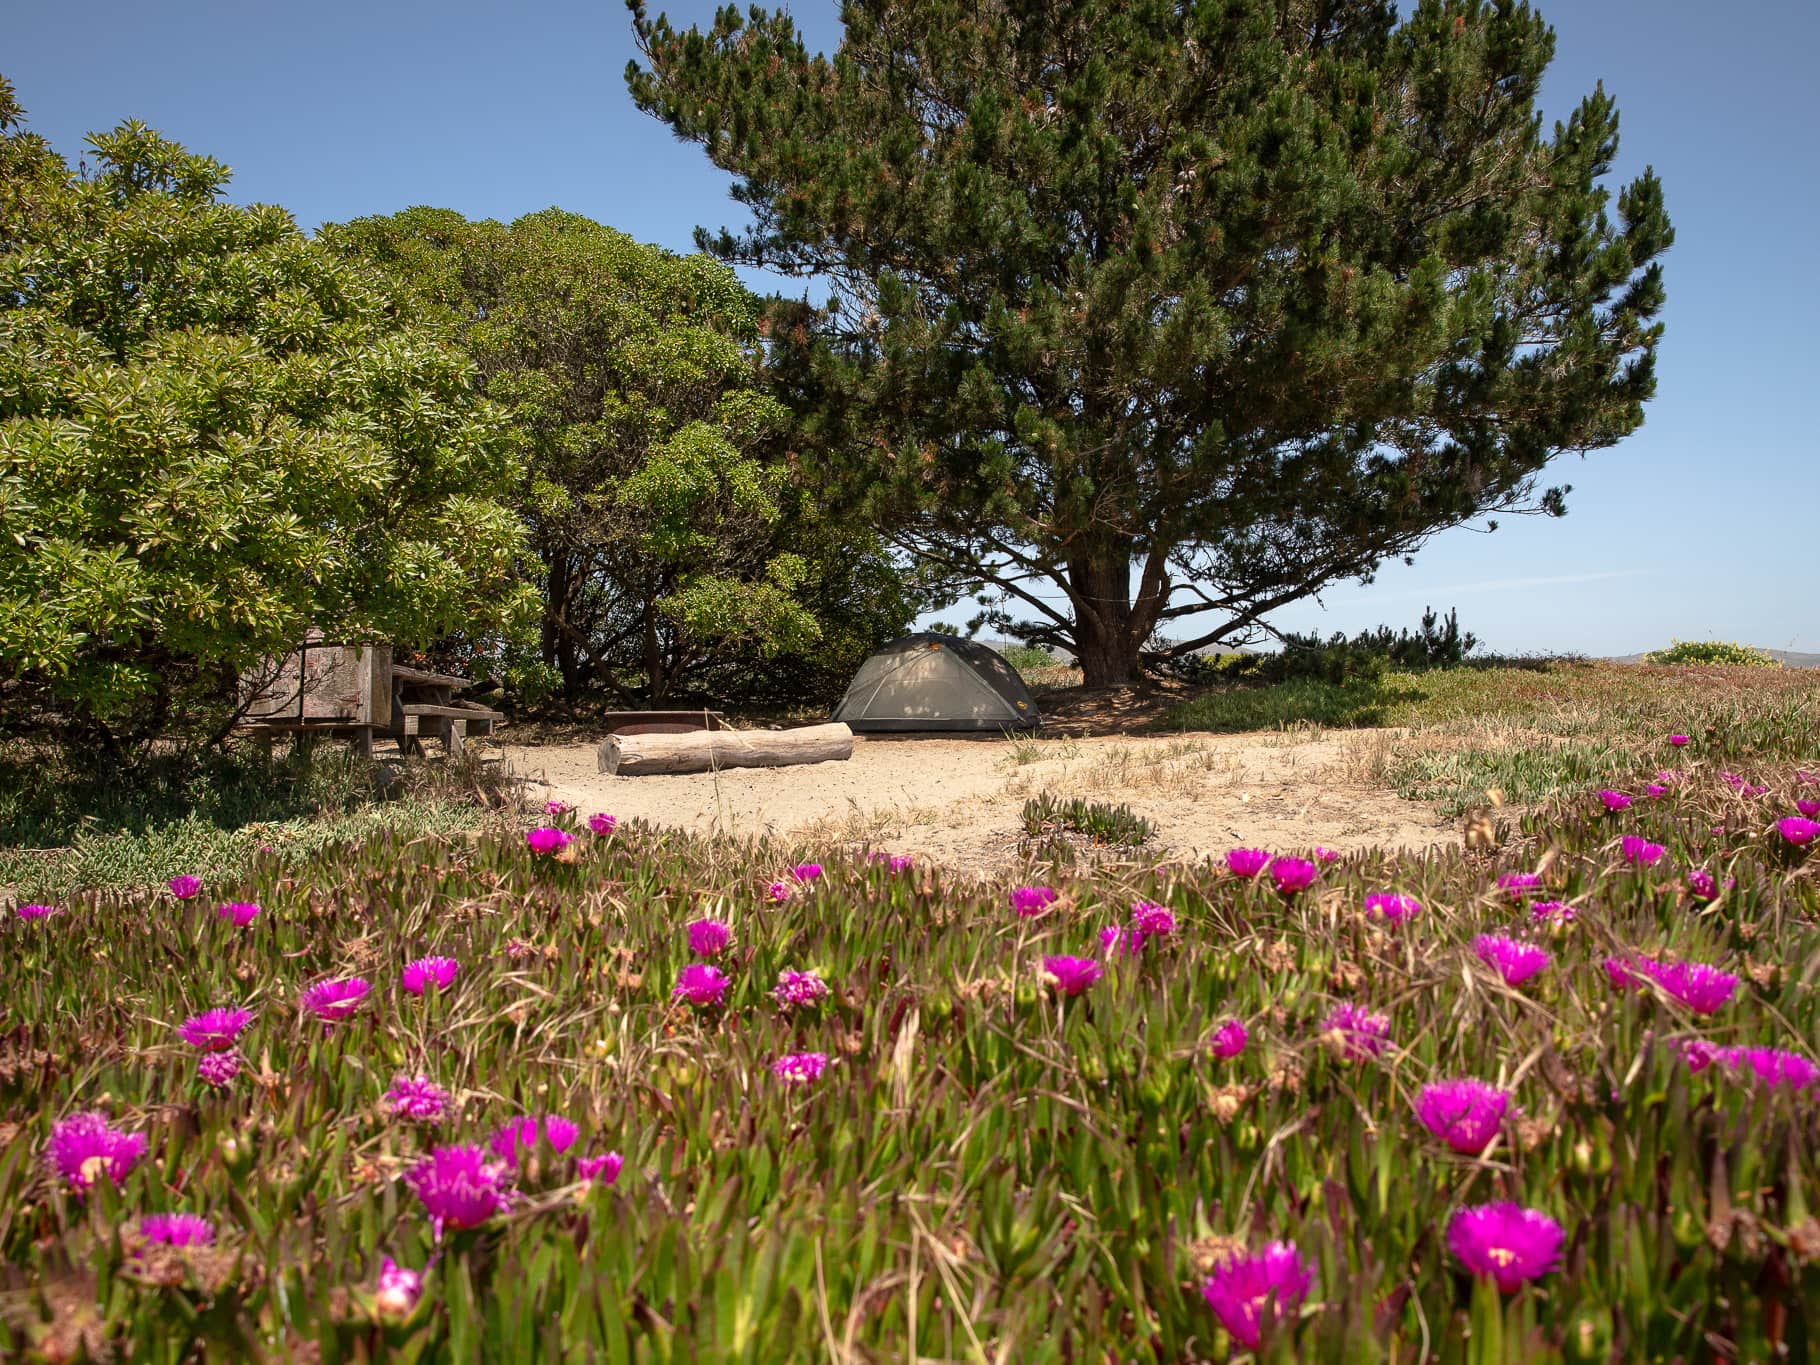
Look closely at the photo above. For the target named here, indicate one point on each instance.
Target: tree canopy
(213, 436)
(671, 538)
(1238, 297)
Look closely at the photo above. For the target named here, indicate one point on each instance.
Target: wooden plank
(700, 750)
(418, 675)
(412, 708)
(453, 741)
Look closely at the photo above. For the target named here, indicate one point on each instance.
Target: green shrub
(1025, 658)
(1116, 826)
(1712, 652)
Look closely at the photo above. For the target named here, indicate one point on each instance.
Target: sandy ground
(959, 801)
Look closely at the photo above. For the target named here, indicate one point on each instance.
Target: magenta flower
(1732, 780)
(1699, 1054)
(1466, 1115)
(1326, 855)
(458, 1186)
(177, 1229)
(1553, 912)
(708, 936)
(1810, 809)
(215, 1030)
(1229, 1040)
(1623, 973)
(1639, 852)
(1700, 988)
(600, 1170)
(1391, 907)
(1512, 959)
(520, 1135)
(799, 990)
(1254, 1289)
(1031, 901)
(1520, 884)
(1292, 874)
(806, 872)
(1702, 884)
(800, 1068)
(85, 1147)
(240, 913)
(416, 1097)
(1797, 829)
(894, 862)
(1356, 1031)
(1506, 1242)
(555, 807)
(603, 823)
(1116, 940)
(700, 984)
(1679, 741)
(31, 912)
(517, 949)
(1656, 790)
(778, 891)
(546, 839)
(1152, 920)
(428, 972)
(218, 1068)
(1614, 801)
(1771, 1067)
(399, 1289)
(332, 1000)
(1071, 975)
(185, 887)
(1808, 778)
(1246, 862)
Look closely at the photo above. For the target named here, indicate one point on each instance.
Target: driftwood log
(698, 751)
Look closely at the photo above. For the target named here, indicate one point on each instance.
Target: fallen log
(698, 751)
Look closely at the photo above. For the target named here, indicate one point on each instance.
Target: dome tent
(936, 682)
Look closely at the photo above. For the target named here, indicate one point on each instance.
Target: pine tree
(1234, 298)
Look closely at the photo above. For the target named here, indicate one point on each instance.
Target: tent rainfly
(937, 682)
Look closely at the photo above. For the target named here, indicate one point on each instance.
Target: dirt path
(959, 801)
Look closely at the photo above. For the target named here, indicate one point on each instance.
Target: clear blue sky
(1705, 523)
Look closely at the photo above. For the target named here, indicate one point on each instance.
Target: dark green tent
(937, 682)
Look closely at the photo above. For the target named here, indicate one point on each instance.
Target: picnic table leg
(456, 739)
(363, 741)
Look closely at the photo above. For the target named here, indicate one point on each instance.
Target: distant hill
(1789, 658)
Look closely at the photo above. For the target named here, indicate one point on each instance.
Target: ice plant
(1356, 1031)
(1797, 829)
(1326, 855)
(218, 1068)
(85, 1147)
(332, 1000)
(518, 1136)
(1466, 1115)
(799, 990)
(1246, 862)
(806, 872)
(707, 937)
(177, 1229)
(1119, 939)
(1614, 801)
(399, 1289)
(1520, 884)
(417, 1098)
(1679, 741)
(1292, 874)
(214, 1030)
(31, 912)
(1639, 852)
(1031, 901)
(429, 972)
(1771, 1067)
(1505, 1241)
(1552, 912)
(1623, 973)
(1511, 958)
(1252, 1289)
(1229, 1040)
(1702, 884)
(700, 984)
(600, 1170)
(1152, 920)
(800, 1068)
(458, 1186)
(239, 913)
(1391, 907)
(1656, 790)
(1810, 809)
(555, 807)
(1071, 975)
(546, 839)
(778, 891)
(602, 823)
(184, 887)
(1701, 988)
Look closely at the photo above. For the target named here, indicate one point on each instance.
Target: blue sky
(1704, 524)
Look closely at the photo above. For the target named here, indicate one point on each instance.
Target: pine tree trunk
(1105, 639)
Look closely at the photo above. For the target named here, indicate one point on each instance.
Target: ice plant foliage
(1466, 1114)
(215, 1030)
(1511, 958)
(429, 973)
(1506, 1243)
(177, 1229)
(800, 1068)
(332, 1000)
(1031, 901)
(701, 984)
(1292, 874)
(417, 1098)
(1391, 907)
(1071, 975)
(458, 1186)
(1246, 862)
(85, 1148)
(1356, 1032)
(1250, 1291)
(547, 839)
(238, 913)
(185, 887)
(708, 937)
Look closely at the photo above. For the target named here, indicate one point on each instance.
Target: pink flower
(1656, 790)
(215, 1030)
(1356, 1032)
(31, 912)
(518, 1136)
(554, 807)
(1466, 1115)
(1771, 1067)
(1506, 1242)
(85, 1147)
(1622, 973)
(1516, 962)
(218, 1069)
(1071, 975)
(1701, 988)
(332, 1000)
(708, 936)
(806, 872)
(1326, 855)
(1031, 901)
(1292, 874)
(1614, 801)
(1520, 884)
(546, 839)
(894, 862)
(458, 1186)
(800, 1068)
(240, 913)
(1639, 852)
(799, 990)
(1152, 920)
(399, 1289)
(1391, 907)
(700, 984)
(600, 1170)
(1229, 1040)
(177, 1229)
(416, 1097)
(778, 891)
(1246, 862)
(184, 887)
(1702, 884)
(1699, 1054)
(603, 823)
(1252, 1290)
(1552, 912)
(1116, 940)
(1797, 829)
(427, 972)
(1810, 809)
(1679, 741)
